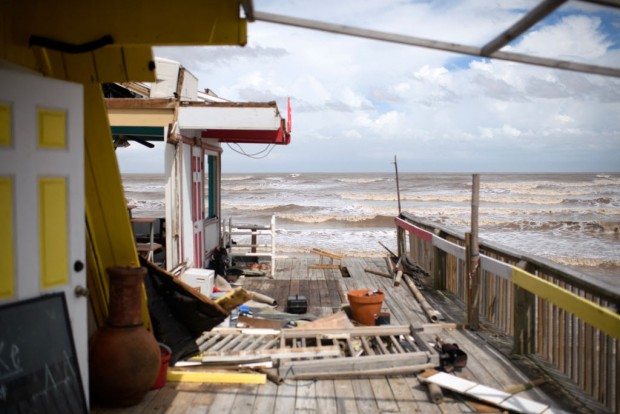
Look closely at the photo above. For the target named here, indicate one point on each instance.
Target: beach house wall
(193, 125)
(63, 216)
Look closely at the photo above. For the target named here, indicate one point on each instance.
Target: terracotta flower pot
(365, 306)
(124, 358)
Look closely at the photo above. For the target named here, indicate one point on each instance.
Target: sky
(356, 103)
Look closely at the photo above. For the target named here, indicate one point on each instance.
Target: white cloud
(573, 37)
(563, 119)
(418, 102)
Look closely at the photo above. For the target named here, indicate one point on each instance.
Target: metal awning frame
(490, 50)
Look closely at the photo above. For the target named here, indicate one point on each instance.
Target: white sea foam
(573, 219)
(359, 180)
(236, 178)
(241, 187)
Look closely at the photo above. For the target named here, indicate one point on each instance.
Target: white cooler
(200, 278)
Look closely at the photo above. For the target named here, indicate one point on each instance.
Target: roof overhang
(130, 112)
(248, 122)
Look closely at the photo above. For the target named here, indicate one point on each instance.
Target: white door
(198, 213)
(42, 195)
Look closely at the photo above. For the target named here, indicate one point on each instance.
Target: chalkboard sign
(39, 370)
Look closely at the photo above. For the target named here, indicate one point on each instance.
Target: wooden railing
(564, 317)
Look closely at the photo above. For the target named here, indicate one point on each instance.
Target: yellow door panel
(7, 258)
(52, 129)
(5, 125)
(53, 231)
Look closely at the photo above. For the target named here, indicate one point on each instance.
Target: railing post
(524, 318)
(439, 266)
(473, 259)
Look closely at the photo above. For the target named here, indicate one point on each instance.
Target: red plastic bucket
(365, 306)
(163, 370)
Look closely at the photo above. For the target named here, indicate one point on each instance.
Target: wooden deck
(325, 290)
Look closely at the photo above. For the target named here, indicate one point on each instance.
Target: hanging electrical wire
(255, 156)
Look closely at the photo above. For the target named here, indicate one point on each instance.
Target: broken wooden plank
(489, 395)
(376, 272)
(336, 320)
(326, 253)
(233, 299)
(400, 370)
(432, 314)
(360, 364)
(221, 377)
(274, 354)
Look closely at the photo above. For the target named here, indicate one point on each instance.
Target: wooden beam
(433, 44)
(526, 22)
(146, 103)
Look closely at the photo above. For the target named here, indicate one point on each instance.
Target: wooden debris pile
(319, 352)
(398, 267)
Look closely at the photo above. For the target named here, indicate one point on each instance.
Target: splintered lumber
(261, 323)
(376, 272)
(493, 396)
(325, 254)
(259, 297)
(272, 375)
(277, 353)
(432, 314)
(399, 273)
(221, 377)
(333, 321)
(233, 299)
(390, 263)
(434, 391)
(389, 251)
(381, 372)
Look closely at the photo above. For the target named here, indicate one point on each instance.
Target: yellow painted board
(139, 63)
(219, 377)
(110, 65)
(137, 22)
(107, 220)
(53, 232)
(234, 298)
(80, 67)
(7, 258)
(5, 125)
(52, 129)
(586, 310)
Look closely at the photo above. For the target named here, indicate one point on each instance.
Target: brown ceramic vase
(124, 358)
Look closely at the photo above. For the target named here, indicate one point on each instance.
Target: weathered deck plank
(326, 290)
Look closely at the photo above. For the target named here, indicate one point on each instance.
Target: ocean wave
(600, 201)
(535, 186)
(141, 188)
(359, 180)
(241, 188)
(586, 262)
(567, 225)
(296, 250)
(275, 208)
(247, 177)
(151, 206)
(357, 220)
(451, 198)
